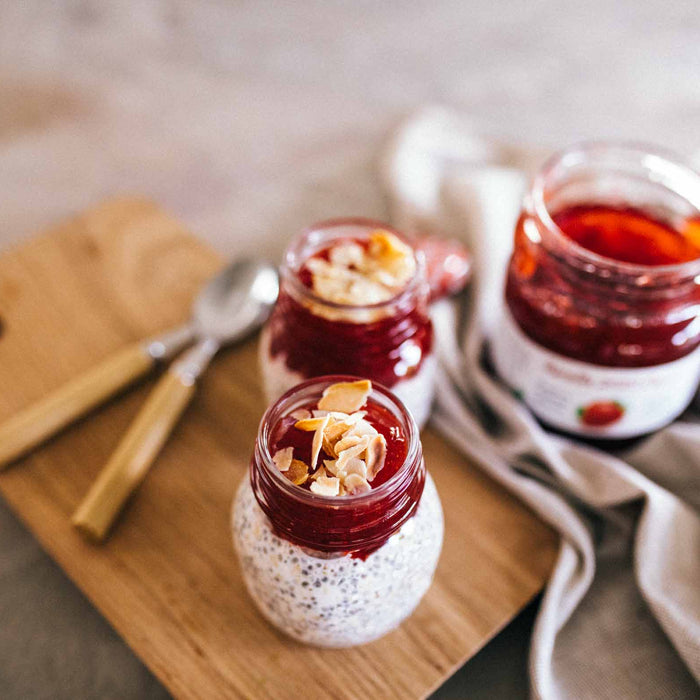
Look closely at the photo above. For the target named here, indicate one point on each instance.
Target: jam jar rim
(403, 473)
(535, 204)
(289, 274)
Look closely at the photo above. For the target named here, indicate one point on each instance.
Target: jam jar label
(590, 400)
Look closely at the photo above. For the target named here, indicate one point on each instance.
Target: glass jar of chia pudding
(338, 527)
(353, 300)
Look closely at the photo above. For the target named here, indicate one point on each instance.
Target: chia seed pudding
(353, 299)
(338, 554)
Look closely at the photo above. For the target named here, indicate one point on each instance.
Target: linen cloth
(620, 617)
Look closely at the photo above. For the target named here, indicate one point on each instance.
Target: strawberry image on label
(601, 413)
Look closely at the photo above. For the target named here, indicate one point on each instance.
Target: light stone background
(250, 119)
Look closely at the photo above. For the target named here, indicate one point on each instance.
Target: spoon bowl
(236, 302)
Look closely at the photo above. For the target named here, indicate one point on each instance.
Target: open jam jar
(602, 324)
(335, 314)
(327, 562)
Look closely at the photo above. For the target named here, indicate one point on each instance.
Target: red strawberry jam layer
(352, 524)
(599, 323)
(627, 234)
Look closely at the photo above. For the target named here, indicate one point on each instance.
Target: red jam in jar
(357, 525)
(387, 339)
(601, 329)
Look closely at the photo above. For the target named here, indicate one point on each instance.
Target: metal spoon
(230, 307)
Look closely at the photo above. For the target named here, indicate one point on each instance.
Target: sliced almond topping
(319, 472)
(298, 472)
(353, 418)
(391, 260)
(354, 484)
(356, 450)
(331, 466)
(376, 456)
(360, 428)
(340, 416)
(383, 244)
(310, 424)
(335, 431)
(346, 396)
(354, 466)
(350, 441)
(355, 275)
(283, 458)
(369, 290)
(318, 441)
(328, 446)
(347, 255)
(326, 486)
(346, 455)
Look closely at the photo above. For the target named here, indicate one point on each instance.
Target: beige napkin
(620, 617)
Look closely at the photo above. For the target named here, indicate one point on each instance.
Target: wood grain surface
(168, 580)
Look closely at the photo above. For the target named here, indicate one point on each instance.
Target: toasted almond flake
(376, 456)
(326, 486)
(354, 418)
(349, 441)
(370, 291)
(283, 458)
(384, 244)
(391, 261)
(310, 424)
(346, 396)
(346, 455)
(320, 414)
(362, 427)
(335, 430)
(340, 416)
(345, 286)
(331, 466)
(300, 414)
(354, 484)
(354, 466)
(346, 441)
(319, 472)
(318, 441)
(298, 472)
(347, 255)
(319, 266)
(328, 446)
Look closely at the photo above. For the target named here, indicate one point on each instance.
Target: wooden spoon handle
(136, 452)
(33, 425)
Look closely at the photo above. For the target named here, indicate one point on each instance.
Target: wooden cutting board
(168, 580)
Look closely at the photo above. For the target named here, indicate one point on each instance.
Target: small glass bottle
(390, 342)
(602, 322)
(337, 571)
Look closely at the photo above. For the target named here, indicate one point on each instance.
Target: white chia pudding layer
(342, 601)
(416, 393)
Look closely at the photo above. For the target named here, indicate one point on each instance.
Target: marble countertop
(249, 120)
